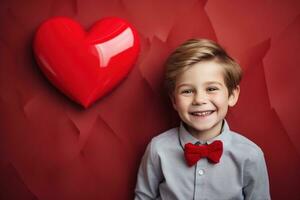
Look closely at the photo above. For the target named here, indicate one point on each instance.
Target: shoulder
(166, 138)
(161, 143)
(245, 147)
(250, 158)
(164, 142)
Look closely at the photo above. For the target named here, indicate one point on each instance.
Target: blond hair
(198, 50)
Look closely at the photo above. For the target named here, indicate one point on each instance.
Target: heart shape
(85, 66)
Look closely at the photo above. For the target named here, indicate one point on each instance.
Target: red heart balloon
(86, 65)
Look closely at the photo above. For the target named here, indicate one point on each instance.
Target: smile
(202, 113)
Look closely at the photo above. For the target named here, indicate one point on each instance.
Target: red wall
(51, 148)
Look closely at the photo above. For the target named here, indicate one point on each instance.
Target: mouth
(202, 113)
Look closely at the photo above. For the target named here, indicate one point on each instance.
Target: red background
(51, 148)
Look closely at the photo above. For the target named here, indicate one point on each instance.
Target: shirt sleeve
(256, 181)
(149, 175)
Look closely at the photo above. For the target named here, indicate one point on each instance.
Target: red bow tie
(193, 153)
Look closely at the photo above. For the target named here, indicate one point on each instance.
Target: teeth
(202, 113)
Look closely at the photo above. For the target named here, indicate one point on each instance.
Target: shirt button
(201, 172)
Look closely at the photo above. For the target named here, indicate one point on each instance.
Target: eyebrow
(184, 84)
(206, 83)
(213, 82)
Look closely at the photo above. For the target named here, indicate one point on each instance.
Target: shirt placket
(200, 175)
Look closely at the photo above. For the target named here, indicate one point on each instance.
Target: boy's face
(201, 98)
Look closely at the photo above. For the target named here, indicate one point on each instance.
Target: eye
(187, 91)
(211, 89)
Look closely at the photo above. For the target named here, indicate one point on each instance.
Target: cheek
(220, 101)
(182, 102)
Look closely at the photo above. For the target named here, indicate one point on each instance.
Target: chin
(200, 128)
(203, 127)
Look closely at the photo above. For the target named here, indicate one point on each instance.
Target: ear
(233, 98)
(172, 98)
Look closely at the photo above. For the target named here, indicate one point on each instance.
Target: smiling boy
(203, 158)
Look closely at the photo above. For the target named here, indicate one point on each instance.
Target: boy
(203, 158)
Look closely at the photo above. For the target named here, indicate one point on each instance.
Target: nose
(199, 98)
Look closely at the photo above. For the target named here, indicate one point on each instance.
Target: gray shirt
(164, 174)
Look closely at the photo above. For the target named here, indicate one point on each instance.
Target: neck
(207, 134)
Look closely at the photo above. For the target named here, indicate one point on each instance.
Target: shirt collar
(185, 137)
